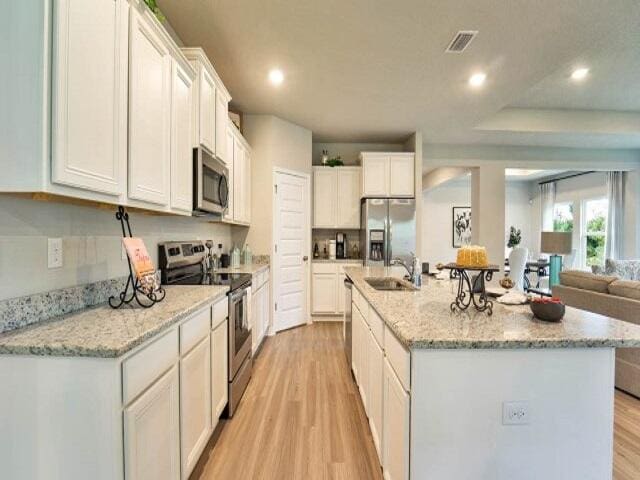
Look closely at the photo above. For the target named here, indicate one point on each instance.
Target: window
(594, 228)
(563, 217)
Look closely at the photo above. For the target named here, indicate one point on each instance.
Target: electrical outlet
(515, 413)
(54, 252)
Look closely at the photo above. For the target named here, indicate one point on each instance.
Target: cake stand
(472, 292)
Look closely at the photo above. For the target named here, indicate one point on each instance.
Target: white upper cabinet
(388, 174)
(336, 197)
(348, 207)
(181, 139)
(228, 214)
(325, 184)
(238, 181)
(401, 176)
(89, 95)
(246, 182)
(149, 112)
(211, 108)
(207, 111)
(222, 119)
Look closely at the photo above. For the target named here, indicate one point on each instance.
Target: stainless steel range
(183, 263)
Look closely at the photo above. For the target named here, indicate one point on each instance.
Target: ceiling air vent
(461, 41)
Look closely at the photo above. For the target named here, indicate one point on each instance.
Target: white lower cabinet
(384, 398)
(195, 404)
(324, 293)
(395, 443)
(375, 394)
(260, 309)
(327, 295)
(151, 432)
(219, 372)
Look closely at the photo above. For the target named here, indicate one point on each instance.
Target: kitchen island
(455, 396)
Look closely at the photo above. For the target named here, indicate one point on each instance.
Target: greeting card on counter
(139, 257)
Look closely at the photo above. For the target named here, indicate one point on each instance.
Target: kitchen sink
(389, 283)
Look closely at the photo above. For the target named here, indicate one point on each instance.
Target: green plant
(515, 237)
(153, 6)
(335, 161)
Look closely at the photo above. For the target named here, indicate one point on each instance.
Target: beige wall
(91, 240)
(274, 143)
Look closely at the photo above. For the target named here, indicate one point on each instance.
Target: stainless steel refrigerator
(388, 230)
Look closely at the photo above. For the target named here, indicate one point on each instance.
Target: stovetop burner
(233, 280)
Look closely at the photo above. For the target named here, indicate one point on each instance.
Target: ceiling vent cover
(461, 41)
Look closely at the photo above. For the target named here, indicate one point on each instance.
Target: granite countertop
(104, 332)
(423, 319)
(252, 269)
(336, 260)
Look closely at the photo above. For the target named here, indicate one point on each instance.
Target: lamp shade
(555, 242)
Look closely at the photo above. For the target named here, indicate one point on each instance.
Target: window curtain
(613, 244)
(547, 201)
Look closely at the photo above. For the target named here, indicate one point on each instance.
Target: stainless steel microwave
(210, 183)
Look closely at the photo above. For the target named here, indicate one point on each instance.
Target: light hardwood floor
(301, 418)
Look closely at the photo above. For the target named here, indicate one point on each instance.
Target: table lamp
(555, 243)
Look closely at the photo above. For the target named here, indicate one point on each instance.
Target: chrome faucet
(415, 272)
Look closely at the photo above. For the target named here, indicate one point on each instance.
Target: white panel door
(219, 373)
(151, 432)
(195, 404)
(325, 185)
(207, 111)
(324, 293)
(89, 95)
(149, 113)
(401, 176)
(376, 384)
(238, 181)
(375, 176)
(181, 144)
(291, 237)
(229, 213)
(222, 116)
(349, 193)
(395, 440)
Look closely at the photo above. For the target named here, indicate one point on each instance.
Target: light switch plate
(54, 252)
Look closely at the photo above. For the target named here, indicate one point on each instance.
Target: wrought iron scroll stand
(144, 299)
(472, 291)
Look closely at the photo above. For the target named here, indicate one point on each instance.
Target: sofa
(624, 269)
(614, 297)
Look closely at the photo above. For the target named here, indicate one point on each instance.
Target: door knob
(305, 258)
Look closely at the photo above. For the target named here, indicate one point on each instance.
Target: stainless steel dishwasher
(348, 285)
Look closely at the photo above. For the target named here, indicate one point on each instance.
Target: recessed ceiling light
(276, 76)
(579, 74)
(477, 79)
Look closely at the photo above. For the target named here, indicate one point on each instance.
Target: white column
(488, 211)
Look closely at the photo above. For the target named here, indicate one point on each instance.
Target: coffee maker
(341, 245)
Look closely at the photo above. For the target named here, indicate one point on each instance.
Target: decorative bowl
(547, 309)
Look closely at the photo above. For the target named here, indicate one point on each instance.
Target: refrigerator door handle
(389, 242)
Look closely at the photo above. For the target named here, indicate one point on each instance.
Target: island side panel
(457, 429)
(61, 418)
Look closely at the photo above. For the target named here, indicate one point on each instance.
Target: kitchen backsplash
(92, 248)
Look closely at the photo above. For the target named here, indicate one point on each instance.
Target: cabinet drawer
(376, 325)
(323, 268)
(361, 303)
(195, 329)
(220, 312)
(141, 370)
(399, 358)
(342, 266)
